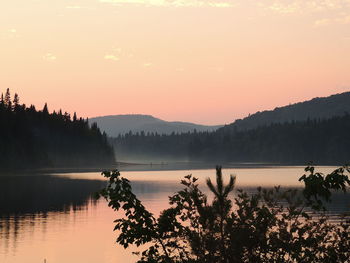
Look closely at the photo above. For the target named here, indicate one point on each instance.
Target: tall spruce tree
(45, 109)
(15, 101)
(7, 99)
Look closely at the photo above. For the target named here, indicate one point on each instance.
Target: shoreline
(155, 166)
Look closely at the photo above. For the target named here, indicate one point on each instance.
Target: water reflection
(44, 193)
(26, 203)
(54, 217)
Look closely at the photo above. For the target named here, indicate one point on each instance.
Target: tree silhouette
(269, 226)
(15, 101)
(45, 109)
(7, 99)
(33, 139)
(222, 203)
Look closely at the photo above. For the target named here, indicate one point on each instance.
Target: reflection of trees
(27, 200)
(34, 194)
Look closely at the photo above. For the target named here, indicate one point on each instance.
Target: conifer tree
(7, 99)
(45, 109)
(15, 101)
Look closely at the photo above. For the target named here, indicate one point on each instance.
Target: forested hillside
(31, 138)
(297, 142)
(317, 108)
(321, 141)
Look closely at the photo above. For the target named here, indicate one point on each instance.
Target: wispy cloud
(322, 22)
(116, 53)
(175, 3)
(9, 34)
(111, 57)
(304, 6)
(50, 57)
(342, 20)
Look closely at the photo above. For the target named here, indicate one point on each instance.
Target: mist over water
(54, 216)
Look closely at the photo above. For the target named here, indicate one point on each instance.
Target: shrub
(271, 225)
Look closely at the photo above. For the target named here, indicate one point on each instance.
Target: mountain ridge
(114, 125)
(316, 108)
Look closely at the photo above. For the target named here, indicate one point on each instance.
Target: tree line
(317, 108)
(31, 138)
(324, 141)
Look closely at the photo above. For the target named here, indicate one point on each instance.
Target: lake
(53, 218)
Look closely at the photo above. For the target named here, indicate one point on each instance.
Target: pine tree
(15, 101)
(45, 109)
(7, 99)
(66, 116)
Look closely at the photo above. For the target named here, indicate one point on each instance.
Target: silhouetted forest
(31, 138)
(324, 141)
(317, 108)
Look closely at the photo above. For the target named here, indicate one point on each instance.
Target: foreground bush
(272, 225)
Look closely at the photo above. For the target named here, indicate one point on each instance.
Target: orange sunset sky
(204, 61)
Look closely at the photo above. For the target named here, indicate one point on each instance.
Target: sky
(203, 61)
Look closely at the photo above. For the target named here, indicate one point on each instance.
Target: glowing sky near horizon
(204, 61)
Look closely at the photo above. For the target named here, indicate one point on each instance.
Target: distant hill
(120, 124)
(315, 130)
(317, 108)
(325, 142)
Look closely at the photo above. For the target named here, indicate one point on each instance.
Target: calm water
(53, 216)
